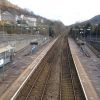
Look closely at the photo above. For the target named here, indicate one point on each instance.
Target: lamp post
(89, 29)
(96, 31)
(81, 32)
(96, 35)
(22, 16)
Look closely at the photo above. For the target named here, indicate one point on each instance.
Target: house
(31, 21)
(7, 17)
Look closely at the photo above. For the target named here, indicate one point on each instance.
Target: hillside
(44, 26)
(5, 5)
(95, 20)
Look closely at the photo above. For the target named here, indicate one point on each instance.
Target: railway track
(70, 88)
(66, 88)
(35, 86)
(55, 78)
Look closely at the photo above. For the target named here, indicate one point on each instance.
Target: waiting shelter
(6, 54)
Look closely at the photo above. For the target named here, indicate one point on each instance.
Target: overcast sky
(67, 11)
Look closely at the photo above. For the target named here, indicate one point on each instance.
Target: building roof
(3, 49)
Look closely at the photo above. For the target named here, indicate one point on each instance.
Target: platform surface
(88, 69)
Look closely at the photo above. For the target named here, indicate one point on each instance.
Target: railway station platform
(15, 87)
(88, 69)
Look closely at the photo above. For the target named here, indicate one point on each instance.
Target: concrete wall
(16, 44)
(19, 44)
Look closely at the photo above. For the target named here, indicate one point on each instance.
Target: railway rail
(55, 78)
